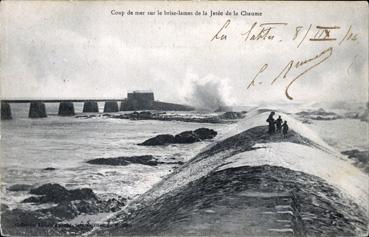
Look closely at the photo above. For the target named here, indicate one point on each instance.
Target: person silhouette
(271, 122)
(285, 129)
(278, 124)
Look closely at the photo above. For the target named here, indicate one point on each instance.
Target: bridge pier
(6, 112)
(111, 106)
(37, 110)
(124, 105)
(66, 109)
(90, 107)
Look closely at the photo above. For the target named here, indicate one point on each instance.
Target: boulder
(82, 194)
(64, 210)
(186, 137)
(143, 160)
(50, 190)
(113, 204)
(162, 139)
(145, 115)
(183, 137)
(205, 133)
(3, 207)
(232, 115)
(86, 207)
(57, 194)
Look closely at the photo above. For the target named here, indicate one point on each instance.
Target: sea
(28, 146)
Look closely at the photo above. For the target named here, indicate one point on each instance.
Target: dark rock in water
(183, 137)
(82, 194)
(64, 210)
(126, 160)
(19, 187)
(319, 114)
(49, 169)
(87, 207)
(113, 204)
(232, 115)
(186, 137)
(4, 207)
(141, 115)
(144, 160)
(162, 139)
(205, 133)
(360, 158)
(56, 193)
(47, 222)
(19, 217)
(70, 209)
(50, 190)
(34, 199)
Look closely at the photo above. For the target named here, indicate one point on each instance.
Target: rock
(87, 207)
(82, 194)
(64, 210)
(186, 137)
(49, 169)
(50, 190)
(232, 115)
(18, 217)
(144, 160)
(162, 139)
(205, 133)
(113, 204)
(56, 193)
(319, 114)
(183, 137)
(4, 207)
(359, 158)
(34, 199)
(19, 187)
(145, 115)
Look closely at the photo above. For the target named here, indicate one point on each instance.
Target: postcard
(184, 118)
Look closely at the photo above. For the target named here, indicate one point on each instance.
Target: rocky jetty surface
(183, 137)
(143, 160)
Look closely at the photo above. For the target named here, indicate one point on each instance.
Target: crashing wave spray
(208, 93)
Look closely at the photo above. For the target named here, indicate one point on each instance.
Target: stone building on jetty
(144, 100)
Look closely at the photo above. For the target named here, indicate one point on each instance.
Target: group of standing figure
(276, 125)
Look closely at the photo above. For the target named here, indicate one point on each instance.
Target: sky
(81, 50)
